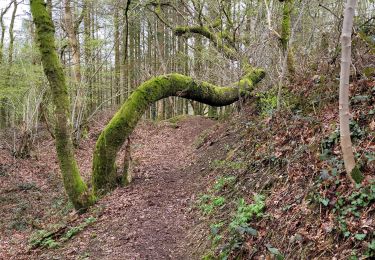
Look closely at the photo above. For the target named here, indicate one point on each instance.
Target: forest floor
(147, 220)
(252, 186)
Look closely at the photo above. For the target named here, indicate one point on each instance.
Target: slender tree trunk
(76, 57)
(130, 61)
(2, 14)
(198, 42)
(76, 189)
(285, 35)
(160, 59)
(125, 40)
(346, 144)
(87, 51)
(73, 42)
(117, 55)
(11, 34)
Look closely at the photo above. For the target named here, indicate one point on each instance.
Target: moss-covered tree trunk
(124, 121)
(75, 187)
(285, 35)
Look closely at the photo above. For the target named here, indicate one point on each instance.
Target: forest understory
(206, 188)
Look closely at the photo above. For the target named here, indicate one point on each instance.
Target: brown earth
(147, 220)
(154, 217)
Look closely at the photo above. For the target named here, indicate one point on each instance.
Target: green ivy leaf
(251, 231)
(325, 202)
(275, 252)
(360, 236)
(372, 245)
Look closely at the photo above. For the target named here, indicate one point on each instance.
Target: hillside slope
(277, 186)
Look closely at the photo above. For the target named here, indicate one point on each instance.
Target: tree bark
(87, 52)
(11, 35)
(285, 35)
(78, 106)
(124, 60)
(117, 55)
(76, 189)
(73, 42)
(346, 144)
(3, 12)
(124, 121)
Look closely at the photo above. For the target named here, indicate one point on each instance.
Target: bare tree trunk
(3, 12)
(73, 42)
(11, 34)
(87, 52)
(77, 111)
(117, 55)
(346, 144)
(125, 40)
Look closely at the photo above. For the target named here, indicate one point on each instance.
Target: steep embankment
(276, 186)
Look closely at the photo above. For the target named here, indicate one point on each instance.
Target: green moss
(202, 30)
(357, 175)
(285, 33)
(177, 119)
(229, 52)
(286, 23)
(369, 71)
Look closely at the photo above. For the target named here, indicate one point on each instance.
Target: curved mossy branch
(229, 39)
(227, 50)
(124, 121)
(181, 30)
(75, 187)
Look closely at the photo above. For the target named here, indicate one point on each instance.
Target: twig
(329, 10)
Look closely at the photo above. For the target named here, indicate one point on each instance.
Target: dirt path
(150, 218)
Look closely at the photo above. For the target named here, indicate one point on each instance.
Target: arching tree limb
(124, 121)
(216, 40)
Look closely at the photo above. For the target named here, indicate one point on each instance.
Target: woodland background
(275, 154)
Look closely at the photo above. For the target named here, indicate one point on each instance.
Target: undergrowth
(228, 235)
(299, 156)
(228, 211)
(351, 209)
(53, 239)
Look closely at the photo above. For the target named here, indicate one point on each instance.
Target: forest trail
(148, 219)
